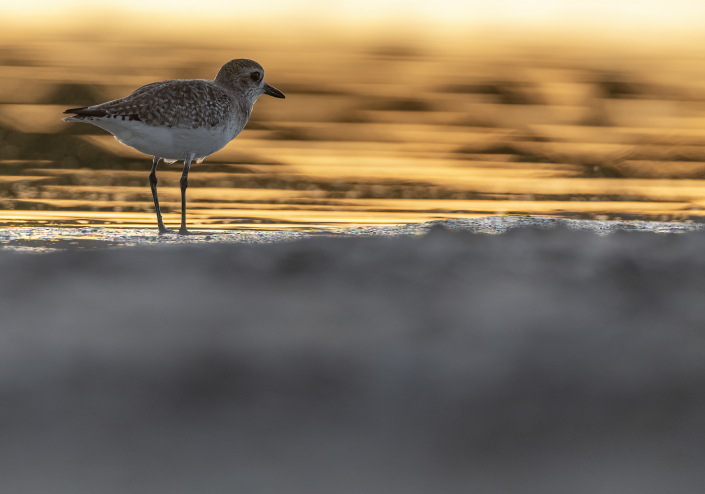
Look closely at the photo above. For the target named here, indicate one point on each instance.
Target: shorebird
(182, 119)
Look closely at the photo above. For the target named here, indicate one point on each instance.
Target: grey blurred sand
(554, 356)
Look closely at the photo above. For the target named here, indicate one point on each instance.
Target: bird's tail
(81, 113)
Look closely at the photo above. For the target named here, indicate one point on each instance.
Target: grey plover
(182, 119)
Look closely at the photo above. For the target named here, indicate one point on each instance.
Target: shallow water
(371, 133)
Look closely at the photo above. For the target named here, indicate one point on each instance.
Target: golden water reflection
(368, 135)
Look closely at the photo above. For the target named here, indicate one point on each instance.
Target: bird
(182, 119)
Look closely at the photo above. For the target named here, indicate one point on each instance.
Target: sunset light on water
(381, 125)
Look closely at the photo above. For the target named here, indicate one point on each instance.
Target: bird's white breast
(171, 143)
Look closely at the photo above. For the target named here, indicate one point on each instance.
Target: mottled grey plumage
(190, 103)
(182, 119)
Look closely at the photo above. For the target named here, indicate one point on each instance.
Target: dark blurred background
(531, 362)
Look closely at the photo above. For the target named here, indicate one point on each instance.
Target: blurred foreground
(533, 361)
(373, 131)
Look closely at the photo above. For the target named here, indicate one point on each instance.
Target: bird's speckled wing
(188, 103)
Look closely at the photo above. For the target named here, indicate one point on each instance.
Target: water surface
(370, 134)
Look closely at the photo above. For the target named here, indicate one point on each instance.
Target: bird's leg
(153, 185)
(184, 186)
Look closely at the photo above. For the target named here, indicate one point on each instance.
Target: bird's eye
(255, 76)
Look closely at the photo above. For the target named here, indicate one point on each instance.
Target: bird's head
(246, 77)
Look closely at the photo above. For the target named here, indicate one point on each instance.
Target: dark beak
(272, 91)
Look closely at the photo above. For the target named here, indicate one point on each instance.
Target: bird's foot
(184, 231)
(164, 231)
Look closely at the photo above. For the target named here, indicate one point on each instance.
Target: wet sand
(550, 356)
(48, 239)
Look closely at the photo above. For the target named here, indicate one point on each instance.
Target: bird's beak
(272, 91)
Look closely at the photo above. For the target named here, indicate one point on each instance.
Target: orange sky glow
(612, 14)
